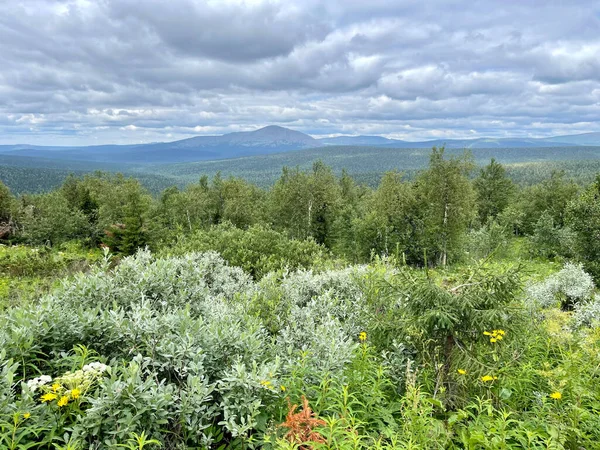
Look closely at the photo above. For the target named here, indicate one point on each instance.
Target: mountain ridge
(264, 141)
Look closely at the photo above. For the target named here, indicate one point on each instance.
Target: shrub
(568, 287)
(257, 250)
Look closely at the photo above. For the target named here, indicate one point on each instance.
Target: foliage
(188, 352)
(447, 204)
(549, 240)
(494, 191)
(257, 250)
(584, 219)
(567, 288)
(249, 306)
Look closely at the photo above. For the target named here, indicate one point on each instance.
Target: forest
(451, 307)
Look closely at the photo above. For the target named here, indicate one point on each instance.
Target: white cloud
(77, 71)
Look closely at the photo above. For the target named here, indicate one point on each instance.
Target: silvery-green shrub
(587, 313)
(568, 287)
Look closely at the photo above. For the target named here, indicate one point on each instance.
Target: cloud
(102, 71)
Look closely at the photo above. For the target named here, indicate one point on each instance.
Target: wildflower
(495, 335)
(267, 384)
(37, 382)
(362, 336)
(96, 367)
(49, 397)
(556, 395)
(283, 388)
(64, 400)
(487, 378)
(26, 415)
(75, 393)
(55, 387)
(462, 371)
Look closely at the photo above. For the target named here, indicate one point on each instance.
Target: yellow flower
(362, 336)
(486, 378)
(500, 332)
(49, 397)
(26, 415)
(64, 400)
(493, 340)
(556, 395)
(462, 371)
(75, 393)
(55, 387)
(487, 333)
(267, 384)
(283, 388)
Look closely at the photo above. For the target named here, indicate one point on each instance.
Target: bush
(566, 288)
(257, 250)
(189, 352)
(491, 238)
(549, 240)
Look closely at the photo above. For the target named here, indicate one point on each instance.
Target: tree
(48, 219)
(494, 190)
(392, 223)
(305, 204)
(243, 203)
(7, 203)
(551, 195)
(124, 207)
(344, 238)
(455, 314)
(583, 217)
(447, 202)
(549, 240)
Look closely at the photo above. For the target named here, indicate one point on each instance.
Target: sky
(79, 72)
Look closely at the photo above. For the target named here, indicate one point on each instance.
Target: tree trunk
(445, 236)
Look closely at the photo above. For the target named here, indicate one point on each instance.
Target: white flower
(37, 382)
(95, 366)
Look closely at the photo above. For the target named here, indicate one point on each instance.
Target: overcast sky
(129, 71)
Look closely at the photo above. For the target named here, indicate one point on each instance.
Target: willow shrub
(196, 354)
(257, 250)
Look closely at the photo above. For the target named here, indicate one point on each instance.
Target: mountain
(358, 140)
(271, 139)
(578, 139)
(589, 139)
(265, 141)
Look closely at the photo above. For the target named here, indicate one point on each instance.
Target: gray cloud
(99, 71)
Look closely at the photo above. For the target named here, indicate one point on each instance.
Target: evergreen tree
(123, 217)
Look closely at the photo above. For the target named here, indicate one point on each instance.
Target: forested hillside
(365, 164)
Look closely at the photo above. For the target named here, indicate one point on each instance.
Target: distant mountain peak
(271, 135)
